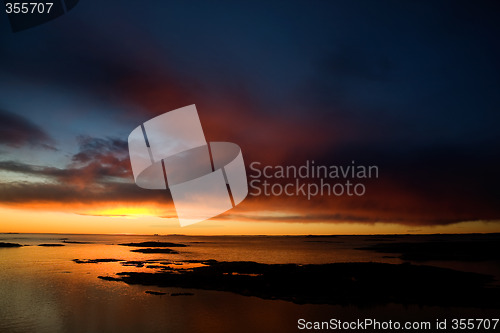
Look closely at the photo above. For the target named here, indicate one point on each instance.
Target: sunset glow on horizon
(140, 221)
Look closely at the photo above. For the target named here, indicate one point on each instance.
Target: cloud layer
(410, 88)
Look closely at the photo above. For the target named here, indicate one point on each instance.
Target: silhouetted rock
(51, 245)
(94, 261)
(76, 242)
(133, 263)
(158, 250)
(338, 283)
(108, 278)
(159, 293)
(154, 244)
(2, 244)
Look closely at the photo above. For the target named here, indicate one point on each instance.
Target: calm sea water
(43, 290)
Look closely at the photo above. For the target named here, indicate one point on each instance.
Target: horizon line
(249, 235)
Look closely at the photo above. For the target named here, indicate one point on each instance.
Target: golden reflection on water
(43, 290)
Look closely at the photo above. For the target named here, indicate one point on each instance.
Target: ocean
(43, 289)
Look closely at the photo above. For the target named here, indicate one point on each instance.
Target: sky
(411, 87)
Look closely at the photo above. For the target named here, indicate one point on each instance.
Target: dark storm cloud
(26, 193)
(105, 151)
(304, 218)
(99, 172)
(97, 160)
(17, 131)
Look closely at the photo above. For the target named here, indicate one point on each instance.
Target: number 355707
(28, 7)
